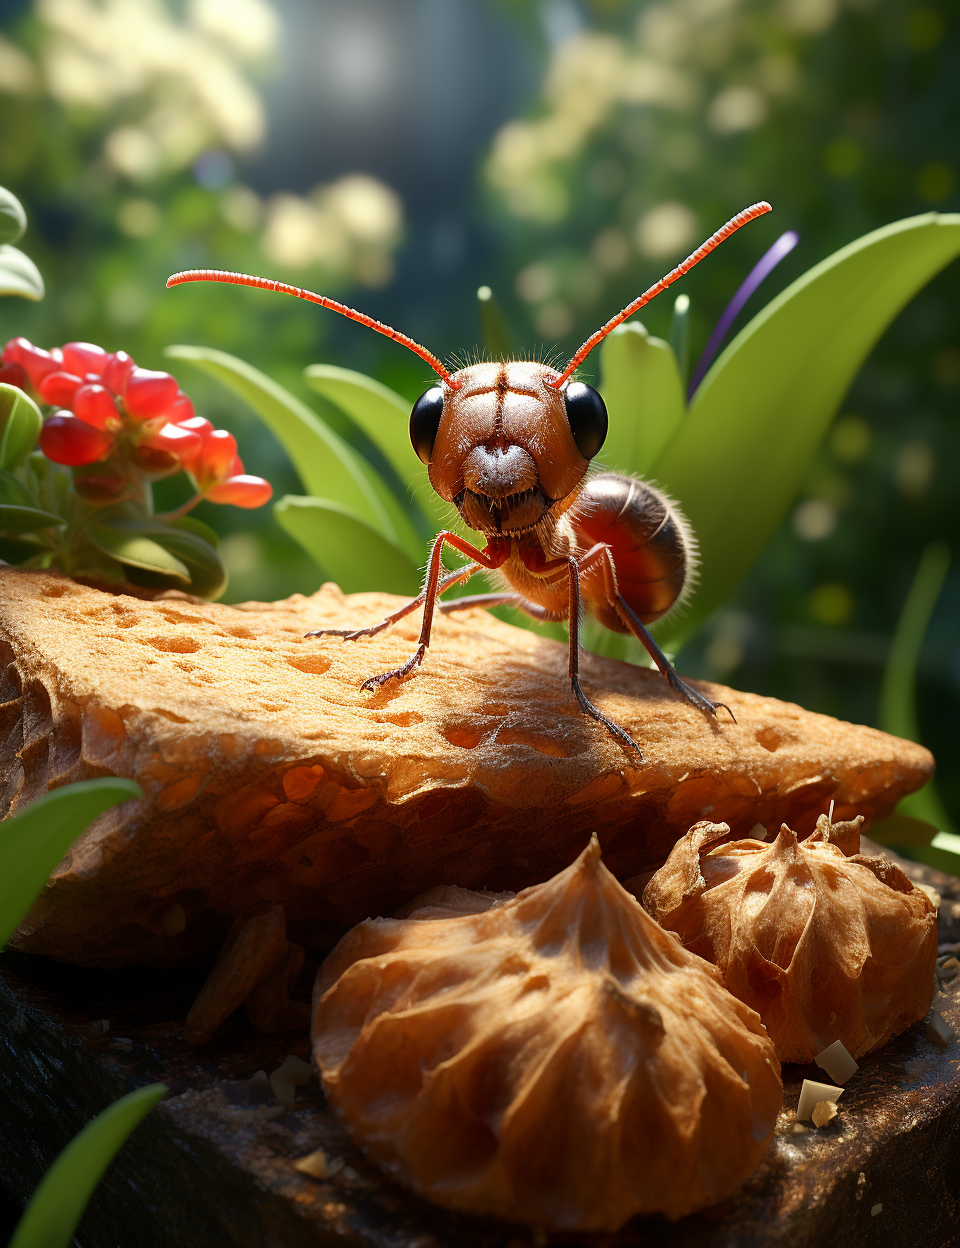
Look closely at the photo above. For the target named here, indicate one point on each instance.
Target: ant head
(506, 446)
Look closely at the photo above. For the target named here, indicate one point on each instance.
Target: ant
(509, 443)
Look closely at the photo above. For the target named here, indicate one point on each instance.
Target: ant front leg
(432, 588)
(574, 615)
(456, 577)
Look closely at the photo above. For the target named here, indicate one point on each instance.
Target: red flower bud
(241, 491)
(148, 394)
(14, 374)
(182, 410)
(99, 491)
(59, 388)
(67, 440)
(183, 443)
(37, 362)
(84, 357)
(216, 458)
(95, 404)
(155, 463)
(117, 369)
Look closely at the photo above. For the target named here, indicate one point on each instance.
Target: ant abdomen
(652, 547)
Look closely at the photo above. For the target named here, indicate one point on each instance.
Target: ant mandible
(509, 444)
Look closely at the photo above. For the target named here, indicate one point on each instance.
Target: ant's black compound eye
(587, 415)
(425, 421)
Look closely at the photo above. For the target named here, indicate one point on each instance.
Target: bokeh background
(399, 153)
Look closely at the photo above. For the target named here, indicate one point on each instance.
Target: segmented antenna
(267, 283)
(734, 224)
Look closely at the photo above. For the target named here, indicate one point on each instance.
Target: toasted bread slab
(271, 777)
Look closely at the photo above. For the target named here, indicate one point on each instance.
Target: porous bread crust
(271, 777)
(556, 1059)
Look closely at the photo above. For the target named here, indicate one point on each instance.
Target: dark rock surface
(213, 1165)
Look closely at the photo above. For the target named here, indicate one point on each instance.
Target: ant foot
(589, 709)
(349, 634)
(696, 699)
(373, 683)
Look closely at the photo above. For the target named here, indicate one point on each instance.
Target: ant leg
(575, 613)
(676, 683)
(500, 600)
(428, 596)
(458, 576)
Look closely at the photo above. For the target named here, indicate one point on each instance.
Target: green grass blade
(350, 551)
(737, 460)
(643, 392)
(385, 418)
(898, 707)
(34, 841)
(63, 1193)
(493, 325)
(326, 464)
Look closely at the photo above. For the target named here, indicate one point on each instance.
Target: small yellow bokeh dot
(831, 603)
(935, 182)
(843, 157)
(850, 439)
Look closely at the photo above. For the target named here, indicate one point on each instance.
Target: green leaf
(493, 325)
(898, 706)
(26, 519)
(208, 576)
(644, 396)
(19, 275)
(57, 1205)
(34, 841)
(20, 425)
(680, 336)
(385, 418)
(192, 525)
(738, 459)
(130, 547)
(326, 464)
(350, 551)
(903, 831)
(13, 220)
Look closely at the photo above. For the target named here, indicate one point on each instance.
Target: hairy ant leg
(457, 577)
(573, 670)
(430, 592)
(501, 600)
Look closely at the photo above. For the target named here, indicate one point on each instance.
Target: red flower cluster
(104, 403)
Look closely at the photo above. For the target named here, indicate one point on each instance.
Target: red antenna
(267, 283)
(734, 224)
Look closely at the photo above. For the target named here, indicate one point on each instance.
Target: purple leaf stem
(761, 270)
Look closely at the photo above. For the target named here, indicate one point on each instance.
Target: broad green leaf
(326, 464)
(738, 459)
(34, 841)
(20, 425)
(63, 1193)
(19, 275)
(943, 853)
(898, 694)
(13, 220)
(644, 396)
(349, 550)
(385, 418)
(208, 576)
(192, 525)
(135, 550)
(14, 493)
(26, 519)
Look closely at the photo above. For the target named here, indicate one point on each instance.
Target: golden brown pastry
(823, 942)
(555, 1059)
